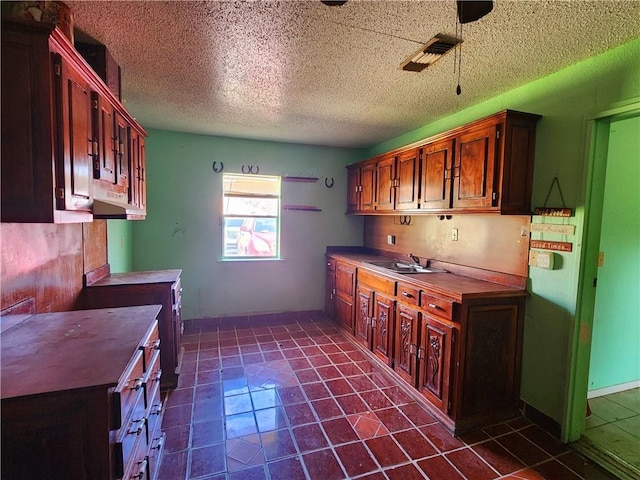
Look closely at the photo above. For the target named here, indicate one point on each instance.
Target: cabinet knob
(407, 294)
(138, 430)
(137, 385)
(432, 305)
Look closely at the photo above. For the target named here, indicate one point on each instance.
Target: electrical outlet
(454, 234)
(391, 239)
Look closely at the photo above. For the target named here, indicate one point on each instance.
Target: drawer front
(331, 263)
(152, 380)
(129, 390)
(408, 294)
(138, 468)
(379, 283)
(176, 292)
(154, 416)
(436, 305)
(155, 454)
(150, 346)
(131, 439)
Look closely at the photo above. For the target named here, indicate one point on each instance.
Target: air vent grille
(429, 53)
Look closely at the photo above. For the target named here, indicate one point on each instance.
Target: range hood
(110, 208)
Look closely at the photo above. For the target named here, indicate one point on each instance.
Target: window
(251, 214)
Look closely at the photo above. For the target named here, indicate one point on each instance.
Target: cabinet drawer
(155, 454)
(128, 391)
(408, 294)
(436, 305)
(131, 440)
(154, 416)
(331, 263)
(152, 380)
(379, 283)
(150, 346)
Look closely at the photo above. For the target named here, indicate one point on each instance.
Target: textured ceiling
(303, 72)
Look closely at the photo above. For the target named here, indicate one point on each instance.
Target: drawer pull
(158, 409)
(158, 444)
(407, 294)
(156, 377)
(432, 305)
(141, 471)
(138, 430)
(156, 344)
(137, 384)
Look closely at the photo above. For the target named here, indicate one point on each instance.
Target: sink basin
(408, 268)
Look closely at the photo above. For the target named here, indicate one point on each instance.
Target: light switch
(545, 260)
(391, 239)
(454, 234)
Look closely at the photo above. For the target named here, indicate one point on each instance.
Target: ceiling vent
(429, 53)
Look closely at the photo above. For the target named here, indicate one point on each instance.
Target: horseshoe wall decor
(327, 184)
(218, 169)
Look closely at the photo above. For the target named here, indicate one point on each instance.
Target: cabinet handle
(141, 471)
(158, 409)
(412, 349)
(158, 444)
(155, 345)
(407, 294)
(137, 385)
(432, 305)
(157, 376)
(138, 430)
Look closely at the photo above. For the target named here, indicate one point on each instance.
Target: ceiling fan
(468, 10)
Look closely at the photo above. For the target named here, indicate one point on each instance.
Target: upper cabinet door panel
(104, 165)
(386, 179)
(408, 176)
(474, 168)
(368, 187)
(437, 161)
(74, 113)
(353, 188)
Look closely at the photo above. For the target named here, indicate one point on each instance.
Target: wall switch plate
(454, 234)
(391, 239)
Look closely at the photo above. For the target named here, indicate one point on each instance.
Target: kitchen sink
(408, 268)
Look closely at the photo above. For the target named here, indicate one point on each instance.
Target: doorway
(606, 366)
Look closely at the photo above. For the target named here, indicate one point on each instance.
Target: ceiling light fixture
(429, 53)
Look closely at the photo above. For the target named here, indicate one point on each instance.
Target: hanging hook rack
(247, 169)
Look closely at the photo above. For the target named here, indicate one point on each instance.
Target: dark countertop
(135, 278)
(54, 352)
(457, 287)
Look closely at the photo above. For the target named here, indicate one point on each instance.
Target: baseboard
(542, 420)
(601, 392)
(252, 320)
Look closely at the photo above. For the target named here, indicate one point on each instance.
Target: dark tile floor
(287, 397)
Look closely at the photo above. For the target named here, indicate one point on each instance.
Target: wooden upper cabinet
(64, 133)
(104, 161)
(361, 187)
(437, 161)
(485, 166)
(407, 179)
(474, 168)
(137, 188)
(385, 191)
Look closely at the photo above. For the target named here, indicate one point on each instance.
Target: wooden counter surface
(68, 350)
(134, 278)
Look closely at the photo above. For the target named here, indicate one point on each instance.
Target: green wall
(183, 227)
(120, 245)
(566, 100)
(615, 347)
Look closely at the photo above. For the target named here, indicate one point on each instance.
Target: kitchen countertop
(457, 287)
(134, 278)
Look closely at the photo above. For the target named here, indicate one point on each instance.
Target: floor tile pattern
(287, 397)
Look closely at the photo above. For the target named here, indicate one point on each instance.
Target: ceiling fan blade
(471, 10)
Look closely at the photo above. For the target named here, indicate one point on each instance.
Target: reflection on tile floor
(288, 397)
(614, 425)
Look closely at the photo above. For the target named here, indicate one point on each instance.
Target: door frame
(596, 149)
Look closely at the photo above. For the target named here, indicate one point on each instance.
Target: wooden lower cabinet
(461, 352)
(340, 290)
(87, 406)
(156, 287)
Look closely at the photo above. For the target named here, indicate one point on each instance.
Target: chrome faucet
(415, 259)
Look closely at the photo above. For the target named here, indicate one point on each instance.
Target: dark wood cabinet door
(408, 180)
(353, 188)
(383, 327)
(386, 191)
(344, 312)
(142, 180)
(364, 308)
(122, 152)
(368, 187)
(73, 100)
(345, 279)
(406, 343)
(437, 162)
(104, 160)
(491, 368)
(436, 358)
(475, 166)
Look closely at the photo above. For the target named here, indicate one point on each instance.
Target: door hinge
(61, 193)
(56, 70)
(373, 322)
(495, 195)
(498, 133)
(454, 336)
(412, 349)
(420, 353)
